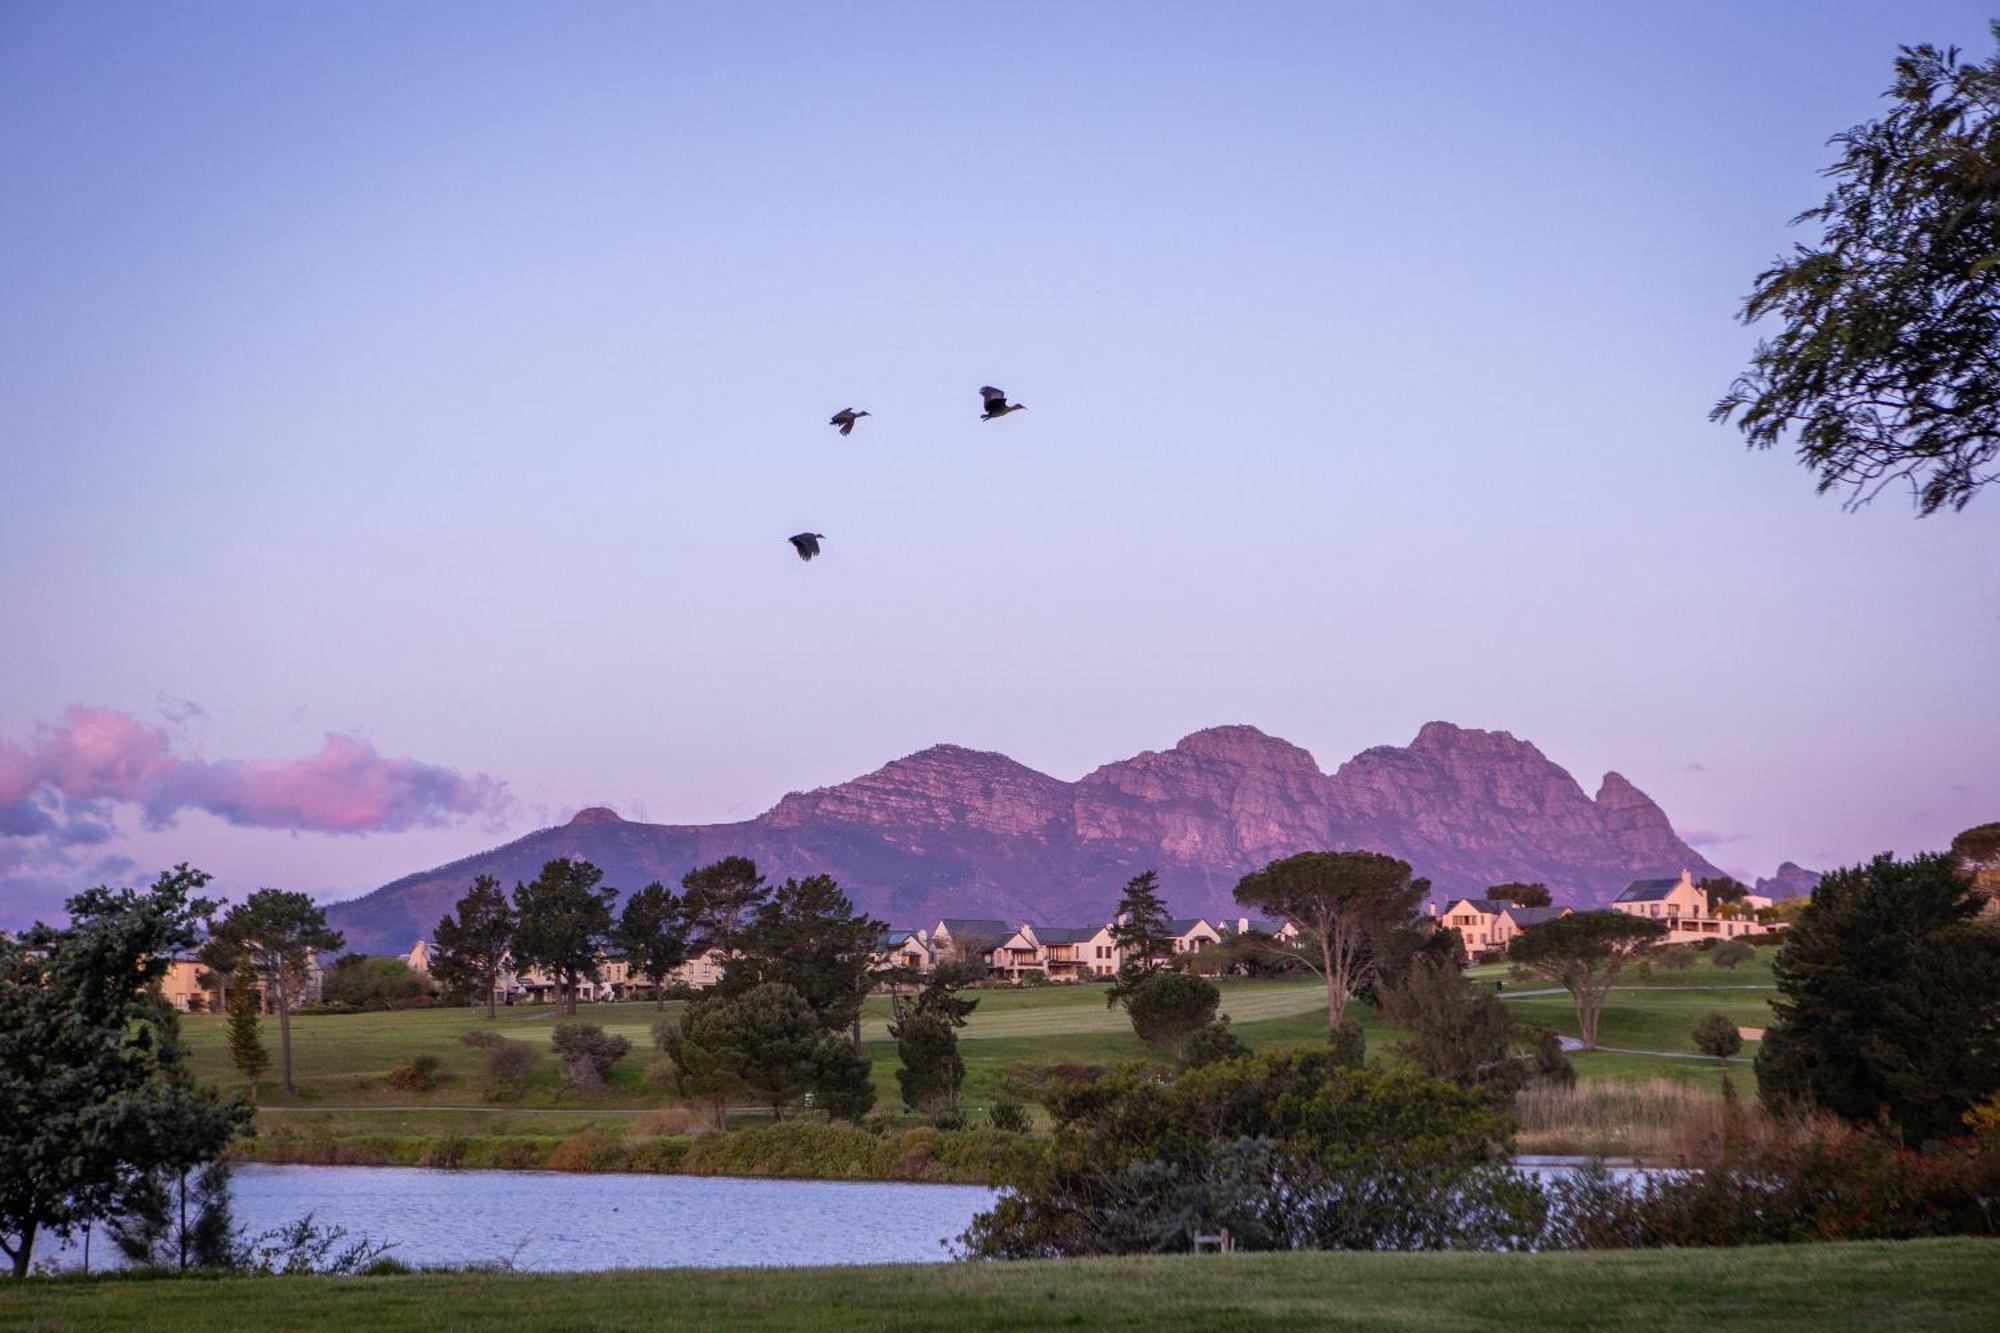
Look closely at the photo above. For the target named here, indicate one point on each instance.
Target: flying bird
(997, 405)
(807, 544)
(845, 419)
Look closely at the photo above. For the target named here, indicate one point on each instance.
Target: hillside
(955, 832)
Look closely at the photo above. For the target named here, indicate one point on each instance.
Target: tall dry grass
(1658, 1120)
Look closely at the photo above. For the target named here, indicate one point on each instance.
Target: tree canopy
(720, 899)
(1888, 1000)
(471, 947)
(1885, 365)
(94, 1093)
(808, 936)
(1344, 906)
(563, 919)
(1523, 895)
(653, 932)
(1584, 953)
(1142, 928)
(280, 931)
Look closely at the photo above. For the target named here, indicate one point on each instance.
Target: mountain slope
(955, 832)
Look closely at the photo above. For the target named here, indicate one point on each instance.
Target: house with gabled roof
(1078, 953)
(1684, 908)
(1488, 925)
(907, 949)
(1192, 934)
(968, 939)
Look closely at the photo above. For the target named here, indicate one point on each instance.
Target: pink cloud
(97, 755)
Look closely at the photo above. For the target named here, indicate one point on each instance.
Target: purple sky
(402, 415)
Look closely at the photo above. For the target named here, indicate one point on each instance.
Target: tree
(1676, 957)
(1717, 1035)
(246, 1046)
(1886, 364)
(563, 919)
(1167, 1008)
(1584, 953)
(1451, 1031)
(931, 1071)
(279, 931)
(653, 932)
(843, 1085)
(1522, 895)
(1888, 1001)
(809, 937)
(1722, 889)
(588, 1044)
(1977, 851)
(1342, 904)
(1142, 929)
(720, 899)
(94, 1093)
(761, 1043)
(366, 982)
(471, 948)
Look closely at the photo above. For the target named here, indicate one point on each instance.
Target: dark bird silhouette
(845, 419)
(997, 405)
(807, 544)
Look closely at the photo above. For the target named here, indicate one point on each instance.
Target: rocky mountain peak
(1243, 744)
(595, 814)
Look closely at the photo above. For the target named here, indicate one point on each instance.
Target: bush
(508, 1064)
(1730, 953)
(1348, 1044)
(1008, 1116)
(589, 1151)
(419, 1075)
(1167, 1008)
(589, 1044)
(1212, 1044)
(481, 1040)
(1677, 957)
(949, 1117)
(1288, 1151)
(1831, 1185)
(1717, 1035)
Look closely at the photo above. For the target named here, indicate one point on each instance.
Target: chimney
(1242, 925)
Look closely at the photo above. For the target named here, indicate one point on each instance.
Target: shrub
(671, 1120)
(589, 1151)
(1211, 1044)
(1288, 1151)
(1008, 1116)
(1717, 1035)
(481, 1040)
(1677, 957)
(587, 1043)
(1167, 1008)
(508, 1064)
(419, 1075)
(1348, 1044)
(580, 1076)
(1730, 953)
(949, 1117)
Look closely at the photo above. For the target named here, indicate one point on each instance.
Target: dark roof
(1534, 916)
(1648, 890)
(976, 925)
(1182, 925)
(1066, 934)
(1257, 924)
(1490, 906)
(900, 935)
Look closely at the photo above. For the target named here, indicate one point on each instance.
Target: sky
(403, 410)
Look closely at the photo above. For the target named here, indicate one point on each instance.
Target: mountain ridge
(953, 831)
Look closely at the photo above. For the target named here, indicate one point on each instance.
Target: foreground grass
(1931, 1285)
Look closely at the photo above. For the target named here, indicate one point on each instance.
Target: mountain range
(967, 833)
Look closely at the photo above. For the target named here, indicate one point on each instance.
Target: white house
(1682, 906)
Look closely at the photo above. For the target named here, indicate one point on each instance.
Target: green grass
(1938, 1286)
(341, 1060)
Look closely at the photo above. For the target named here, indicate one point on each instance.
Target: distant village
(1026, 953)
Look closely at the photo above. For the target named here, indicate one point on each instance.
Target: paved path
(1619, 990)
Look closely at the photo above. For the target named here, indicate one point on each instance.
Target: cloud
(1710, 838)
(64, 780)
(37, 878)
(1697, 768)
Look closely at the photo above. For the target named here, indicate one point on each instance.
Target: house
(182, 986)
(1078, 953)
(1489, 925)
(1192, 934)
(1683, 907)
(907, 949)
(1020, 953)
(968, 939)
(419, 957)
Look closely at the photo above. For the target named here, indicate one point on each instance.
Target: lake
(552, 1221)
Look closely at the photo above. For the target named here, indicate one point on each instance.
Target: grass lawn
(341, 1059)
(1932, 1285)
